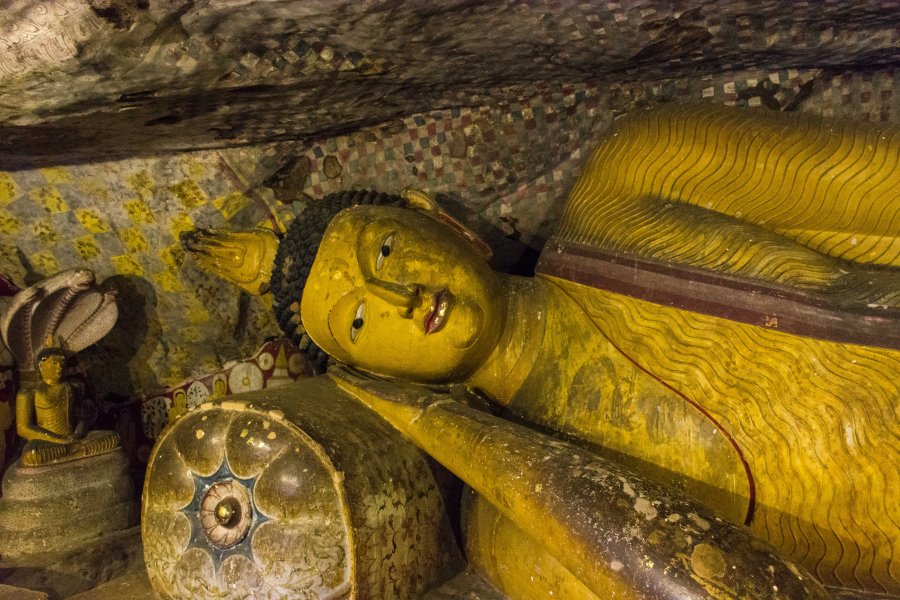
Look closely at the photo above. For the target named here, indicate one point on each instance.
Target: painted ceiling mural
(124, 124)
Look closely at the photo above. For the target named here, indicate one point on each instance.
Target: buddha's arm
(698, 237)
(25, 421)
(830, 186)
(599, 521)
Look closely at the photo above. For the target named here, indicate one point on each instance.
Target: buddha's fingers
(211, 242)
(244, 258)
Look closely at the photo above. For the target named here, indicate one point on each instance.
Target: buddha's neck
(520, 341)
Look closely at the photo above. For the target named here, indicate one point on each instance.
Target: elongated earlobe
(422, 202)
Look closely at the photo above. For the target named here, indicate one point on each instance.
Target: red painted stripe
(751, 505)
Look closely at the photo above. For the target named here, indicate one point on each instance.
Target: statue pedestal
(70, 526)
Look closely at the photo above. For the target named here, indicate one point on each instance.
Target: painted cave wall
(124, 123)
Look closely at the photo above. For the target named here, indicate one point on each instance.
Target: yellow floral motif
(197, 313)
(44, 262)
(193, 169)
(49, 197)
(44, 231)
(168, 282)
(172, 257)
(139, 212)
(180, 223)
(8, 223)
(57, 175)
(141, 182)
(9, 191)
(91, 221)
(126, 265)
(189, 193)
(133, 240)
(87, 248)
(230, 204)
(7, 252)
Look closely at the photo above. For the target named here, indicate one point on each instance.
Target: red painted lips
(437, 316)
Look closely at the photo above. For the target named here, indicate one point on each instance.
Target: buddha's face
(51, 368)
(395, 292)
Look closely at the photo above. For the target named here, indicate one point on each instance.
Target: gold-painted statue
(68, 502)
(48, 415)
(48, 412)
(70, 314)
(718, 310)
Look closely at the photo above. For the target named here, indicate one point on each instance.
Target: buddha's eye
(358, 321)
(385, 251)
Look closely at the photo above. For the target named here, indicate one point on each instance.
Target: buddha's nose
(402, 295)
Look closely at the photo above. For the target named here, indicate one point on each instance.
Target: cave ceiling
(89, 79)
(125, 123)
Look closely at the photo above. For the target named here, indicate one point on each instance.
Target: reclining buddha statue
(718, 310)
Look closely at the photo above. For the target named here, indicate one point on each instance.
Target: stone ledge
(63, 574)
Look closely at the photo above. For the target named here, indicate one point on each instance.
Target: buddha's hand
(243, 257)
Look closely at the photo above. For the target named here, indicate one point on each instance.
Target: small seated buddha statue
(717, 311)
(69, 314)
(68, 501)
(48, 416)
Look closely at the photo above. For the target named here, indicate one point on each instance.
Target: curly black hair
(48, 352)
(295, 256)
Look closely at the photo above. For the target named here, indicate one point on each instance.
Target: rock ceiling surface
(123, 123)
(85, 78)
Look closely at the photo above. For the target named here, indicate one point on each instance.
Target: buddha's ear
(422, 202)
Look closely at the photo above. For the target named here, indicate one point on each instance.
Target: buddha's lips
(437, 316)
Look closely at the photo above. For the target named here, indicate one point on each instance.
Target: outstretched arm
(584, 511)
(693, 236)
(831, 186)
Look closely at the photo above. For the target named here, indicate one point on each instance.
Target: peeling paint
(707, 562)
(699, 521)
(643, 506)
